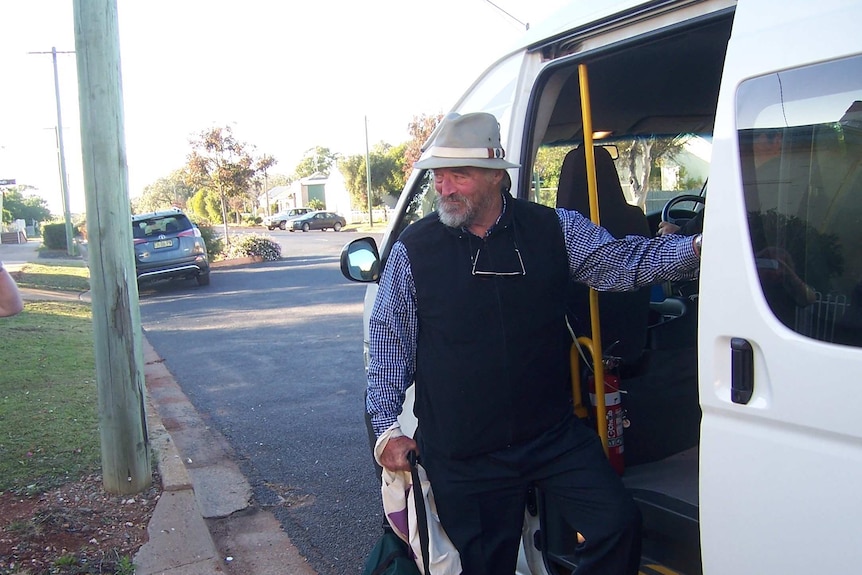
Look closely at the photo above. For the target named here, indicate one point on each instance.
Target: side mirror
(360, 260)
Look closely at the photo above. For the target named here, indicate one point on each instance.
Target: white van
(741, 438)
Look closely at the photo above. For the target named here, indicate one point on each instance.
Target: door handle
(741, 371)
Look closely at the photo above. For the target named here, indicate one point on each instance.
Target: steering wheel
(671, 203)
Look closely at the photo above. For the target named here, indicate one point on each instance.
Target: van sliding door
(781, 297)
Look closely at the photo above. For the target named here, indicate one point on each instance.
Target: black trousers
(481, 501)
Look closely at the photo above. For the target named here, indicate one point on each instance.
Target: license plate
(163, 244)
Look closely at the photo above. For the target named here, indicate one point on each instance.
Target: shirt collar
(503, 212)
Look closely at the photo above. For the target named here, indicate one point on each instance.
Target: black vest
(492, 353)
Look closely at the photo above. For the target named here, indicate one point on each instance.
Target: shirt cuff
(688, 257)
(391, 432)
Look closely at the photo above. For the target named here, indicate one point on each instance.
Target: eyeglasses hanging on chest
(498, 261)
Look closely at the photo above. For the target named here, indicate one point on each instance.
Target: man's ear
(504, 181)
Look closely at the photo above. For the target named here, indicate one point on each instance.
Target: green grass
(66, 560)
(125, 566)
(48, 398)
(68, 275)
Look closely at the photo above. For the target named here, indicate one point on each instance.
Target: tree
(264, 163)
(353, 170)
(387, 171)
(420, 129)
(279, 180)
(29, 208)
(220, 162)
(387, 174)
(317, 159)
(206, 205)
(640, 155)
(171, 191)
(546, 169)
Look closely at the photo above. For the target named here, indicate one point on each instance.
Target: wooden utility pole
(368, 177)
(61, 155)
(113, 283)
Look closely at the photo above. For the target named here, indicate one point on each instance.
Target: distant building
(330, 190)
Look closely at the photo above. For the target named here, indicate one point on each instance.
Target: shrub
(213, 241)
(255, 245)
(54, 236)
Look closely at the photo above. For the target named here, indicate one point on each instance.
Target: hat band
(466, 153)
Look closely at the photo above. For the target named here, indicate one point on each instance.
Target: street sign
(7, 182)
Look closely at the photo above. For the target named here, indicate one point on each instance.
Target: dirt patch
(74, 529)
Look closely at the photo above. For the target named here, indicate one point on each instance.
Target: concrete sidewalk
(204, 521)
(204, 488)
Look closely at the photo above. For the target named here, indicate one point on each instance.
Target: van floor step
(647, 567)
(656, 569)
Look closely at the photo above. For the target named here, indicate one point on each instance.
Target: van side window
(800, 145)
(423, 201)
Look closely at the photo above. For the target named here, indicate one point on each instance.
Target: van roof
(580, 17)
(574, 15)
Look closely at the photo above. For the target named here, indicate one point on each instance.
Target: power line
(526, 25)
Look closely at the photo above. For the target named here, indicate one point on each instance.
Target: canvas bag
(405, 516)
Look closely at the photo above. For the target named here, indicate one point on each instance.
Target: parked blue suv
(169, 246)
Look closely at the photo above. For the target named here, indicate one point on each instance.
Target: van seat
(624, 315)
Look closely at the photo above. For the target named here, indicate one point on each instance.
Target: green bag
(390, 556)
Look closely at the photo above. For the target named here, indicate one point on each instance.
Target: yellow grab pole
(598, 365)
(575, 363)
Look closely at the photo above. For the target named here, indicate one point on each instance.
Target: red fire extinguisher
(613, 418)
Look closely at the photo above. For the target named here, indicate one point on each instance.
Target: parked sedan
(318, 220)
(282, 219)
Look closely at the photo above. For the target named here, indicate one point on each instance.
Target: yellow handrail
(592, 190)
(575, 362)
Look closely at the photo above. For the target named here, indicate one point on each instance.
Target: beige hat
(469, 140)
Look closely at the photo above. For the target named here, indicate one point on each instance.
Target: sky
(285, 75)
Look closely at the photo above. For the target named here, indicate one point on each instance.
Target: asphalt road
(271, 355)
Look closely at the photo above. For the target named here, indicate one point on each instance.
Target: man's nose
(443, 185)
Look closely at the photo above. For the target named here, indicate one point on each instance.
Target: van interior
(652, 103)
(658, 92)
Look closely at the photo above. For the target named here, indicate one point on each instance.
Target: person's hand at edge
(10, 297)
(665, 228)
(394, 454)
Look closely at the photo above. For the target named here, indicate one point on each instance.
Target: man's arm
(392, 354)
(10, 297)
(605, 263)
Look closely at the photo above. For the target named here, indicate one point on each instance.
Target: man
(471, 306)
(10, 297)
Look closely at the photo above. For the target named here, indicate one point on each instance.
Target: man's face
(466, 194)
(767, 146)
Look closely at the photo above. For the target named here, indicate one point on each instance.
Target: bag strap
(421, 516)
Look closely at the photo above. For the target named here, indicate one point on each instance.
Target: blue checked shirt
(595, 258)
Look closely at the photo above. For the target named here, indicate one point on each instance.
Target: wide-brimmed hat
(470, 140)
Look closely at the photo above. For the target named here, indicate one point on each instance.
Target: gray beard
(474, 206)
(455, 219)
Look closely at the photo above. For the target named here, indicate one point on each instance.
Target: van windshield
(649, 170)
